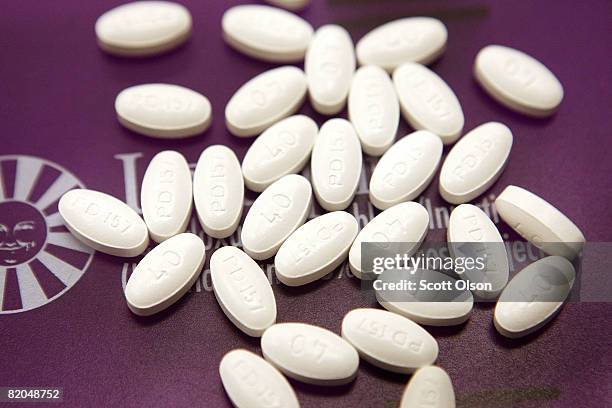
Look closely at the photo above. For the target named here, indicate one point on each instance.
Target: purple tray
(64, 321)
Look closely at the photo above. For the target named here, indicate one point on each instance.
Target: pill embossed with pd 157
(103, 222)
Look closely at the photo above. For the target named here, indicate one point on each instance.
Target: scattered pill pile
(392, 80)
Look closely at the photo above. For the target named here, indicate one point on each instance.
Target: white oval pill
(539, 222)
(429, 387)
(406, 169)
(275, 214)
(373, 109)
(310, 354)
(103, 222)
(427, 102)
(434, 308)
(267, 33)
(534, 296)
(143, 28)
(283, 148)
(471, 232)
(329, 67)
(412, 39)
(264, 100)
(250, 381)
(405, 222)
(166, 195)
(242, 290)
(165, 274)
(316, 248)
(388, 340)
(475, 162)
(518, 81)
(218, 191)
(163, 110)
(336, 164)
(293, 5)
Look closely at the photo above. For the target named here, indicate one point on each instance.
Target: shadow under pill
(508, 343)
(175, 58)
(382, 374)
(322, 390)
(164, 314)
(303, 289)
(446, 331)
(484, 305)
(161, 143)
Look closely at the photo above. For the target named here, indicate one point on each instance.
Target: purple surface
(56, 102)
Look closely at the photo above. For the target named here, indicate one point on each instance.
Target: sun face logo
(39, 259)
(22, 233)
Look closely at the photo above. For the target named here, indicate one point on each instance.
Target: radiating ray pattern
(31, 232)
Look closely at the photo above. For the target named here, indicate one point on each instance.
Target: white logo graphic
(39, 259)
